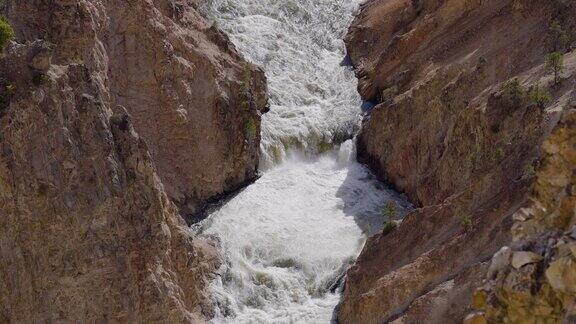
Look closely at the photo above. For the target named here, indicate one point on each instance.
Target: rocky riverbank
(117, 117)
(465, 100)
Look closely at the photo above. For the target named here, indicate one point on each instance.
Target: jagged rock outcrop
(111, 111)
(192, 98)
(541, 289)
(88, 233)
(456, 133)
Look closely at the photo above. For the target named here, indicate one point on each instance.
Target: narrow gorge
(297, 161)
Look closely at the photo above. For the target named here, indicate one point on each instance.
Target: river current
(288, 238)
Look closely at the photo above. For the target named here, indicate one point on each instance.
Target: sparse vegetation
(513, 93)
(389, 212)
(555, 64)
(251, 129)
(6, 33)
(39, 79)
(388, 94)
(10, 89)
(539, 97)
(388, 227)
(500, 154)
(466, 221)
(530, 172)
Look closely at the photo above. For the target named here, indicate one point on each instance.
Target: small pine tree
(389, 211)
(555, 64)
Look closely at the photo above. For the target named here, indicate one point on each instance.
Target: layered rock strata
(534, 279)
(192, 98)
(114, 117)
(464, 102)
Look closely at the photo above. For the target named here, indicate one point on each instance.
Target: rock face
(111, 111)
(458, 127)
(543, 291)
(192, 98)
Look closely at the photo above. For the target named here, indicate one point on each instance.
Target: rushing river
(288, 238)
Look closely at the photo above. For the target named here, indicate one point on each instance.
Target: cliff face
(194, 100)
(534, 279)
(109, 112)
(457, 134)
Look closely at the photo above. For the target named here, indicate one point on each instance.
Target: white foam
(299, 45)
(289, 237)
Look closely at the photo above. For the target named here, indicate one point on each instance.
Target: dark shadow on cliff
(214, 203)
(365, 196)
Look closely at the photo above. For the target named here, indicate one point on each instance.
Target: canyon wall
(534, 279)
(115, 116)
(192, 98)
(464, 103)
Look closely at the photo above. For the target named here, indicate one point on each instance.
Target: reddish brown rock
(111, 111)
(544, 292)
(192, 98)
(87, 231)
(456, 134)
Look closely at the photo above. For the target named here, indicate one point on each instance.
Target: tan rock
(522, 258)
(41, 61)
(452, 140)
(138, 107)
(189, 92)
(88, 233)
(500, 261)
(543, 293)
(561, 275)
(475, 318)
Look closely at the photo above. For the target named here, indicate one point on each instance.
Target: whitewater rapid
(288, 238)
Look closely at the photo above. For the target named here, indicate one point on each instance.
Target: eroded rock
(163, 62)
(111, 112)
(456, 133)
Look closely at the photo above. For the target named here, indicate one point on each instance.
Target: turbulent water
(288, 238)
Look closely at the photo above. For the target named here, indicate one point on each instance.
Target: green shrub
(10, 89)
(388, 227)
(39, 79)
(388, 94)
(560, 37)
(513, 93)
(539, 97)
(465, 221)
(251, 129)
(6, 33)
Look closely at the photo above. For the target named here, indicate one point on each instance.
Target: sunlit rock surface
(112, 111)
(448, 134)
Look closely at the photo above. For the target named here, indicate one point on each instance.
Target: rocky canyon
(264, 161)
(465, 101)
(119, 119)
